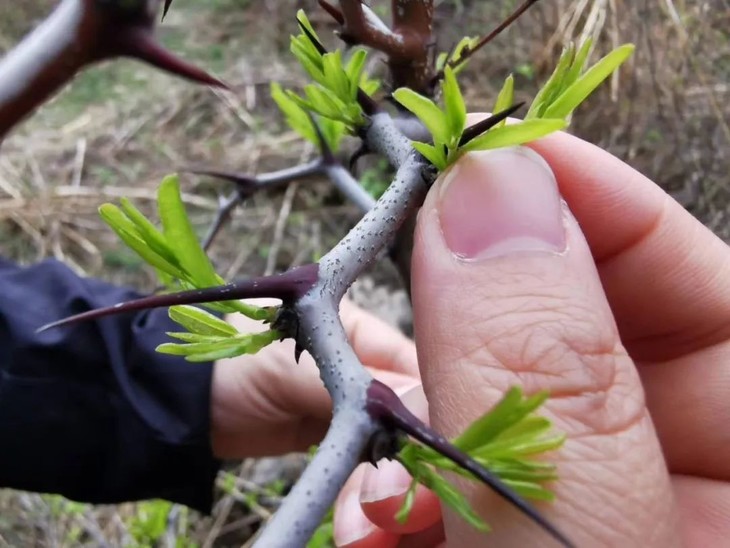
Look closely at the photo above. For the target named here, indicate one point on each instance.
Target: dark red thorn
(335, 13)
(327, 156)
(312, 38)
(384, 405)
(168, 3)
(140, 43)
(361, 152)
(288, 286)
(472, 132)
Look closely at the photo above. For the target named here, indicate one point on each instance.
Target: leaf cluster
(333, 93)
(569, 86)
(208, 338)
(571, 83)
(505, 440)
(446, 125)
(181, 263)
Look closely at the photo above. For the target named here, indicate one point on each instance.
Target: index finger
(662, 270)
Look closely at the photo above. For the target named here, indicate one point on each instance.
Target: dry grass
(120, 128)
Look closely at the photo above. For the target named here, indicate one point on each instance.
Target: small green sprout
(300, 121)
(333, 95)
(571, 83)
(505, 440)
(464, 45)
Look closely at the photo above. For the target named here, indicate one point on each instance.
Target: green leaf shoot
(177, 228)
(505, 98)
(579, 91)
(505, 440)
(515, 134)
(454, 107)
(198, 321)
(426, 111)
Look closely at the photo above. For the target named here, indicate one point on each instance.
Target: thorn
(472, 132)
(287, 286)
(312, 38)
(168, 3)
(298, 351)
(361, 152)
(327, 156)
(245, 183)
(335, 13)
(140, 43)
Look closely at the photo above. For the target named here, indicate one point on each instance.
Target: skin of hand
(559, 267)
(267, 404)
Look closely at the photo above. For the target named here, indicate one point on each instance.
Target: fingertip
(352, 528)
(382, 512)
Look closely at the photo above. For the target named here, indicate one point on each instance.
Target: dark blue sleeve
(91, 411)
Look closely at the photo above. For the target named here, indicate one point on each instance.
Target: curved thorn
(472, 132)
(140, 43)
(384, 405)
(327, 156)
(361, 152)
(287, 286)
(334, 12)
(313, 39)
(166, 8)
(222, 216)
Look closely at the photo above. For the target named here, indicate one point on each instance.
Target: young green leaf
(506, 98)
(335, 76)
(427, 111)
(355, 71)
(216, 348)
(572, 97)
(201, 322)
(454, 107)
(515, 134)
(127, 231)
(579, 62)
(408, 502)
(148, 232)
(451, 496)
(434, 154)
(554, 86)
(295, 115)
(192, 337)
(486, 428)
(177, 229)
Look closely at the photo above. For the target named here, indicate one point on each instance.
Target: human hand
(619, 307)
(267, 404)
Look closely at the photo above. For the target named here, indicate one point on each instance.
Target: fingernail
(497, 203)
(358, 526)
(390, 479)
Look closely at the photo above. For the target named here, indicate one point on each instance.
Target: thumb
(505, 292)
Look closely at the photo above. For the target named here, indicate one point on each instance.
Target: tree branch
(406, 44)
(322, 335)
(248, 185)
(77, 34)
(467, 53)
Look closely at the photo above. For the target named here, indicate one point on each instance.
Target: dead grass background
(121, 127)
